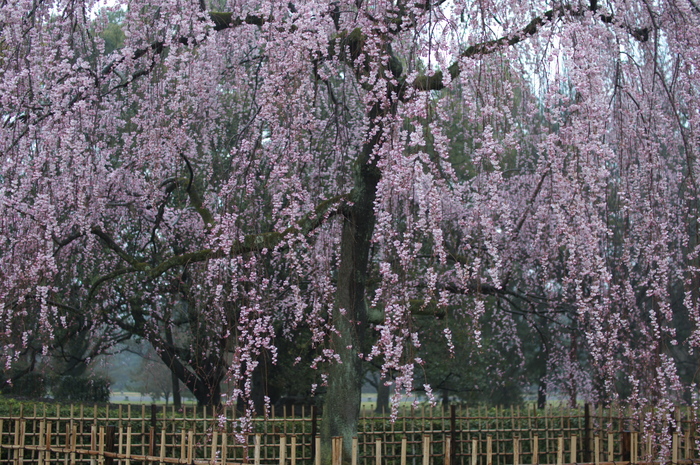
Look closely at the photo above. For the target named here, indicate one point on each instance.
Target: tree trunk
(341, 408)
(177, 398)
(382, 397)
(206, 386)
(445, 398)
(542, 394)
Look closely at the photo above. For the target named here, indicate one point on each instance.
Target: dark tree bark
(177, 397)
(341, 409)
(383, 392)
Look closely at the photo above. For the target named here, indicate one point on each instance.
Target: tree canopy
(217, 178)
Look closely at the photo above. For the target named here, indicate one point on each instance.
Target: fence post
(317, 454)
(42, 442)
(49, 426)
(560, 450)
(516, 450)
(448, 450)
(690, 445)
(293, 456)
(128, 444)
(256, 450)
(489, 450)
(426, 449)
(93, 442)
(596, 449)
(336, 450)
(573, 456)
(404, 450)
(626, 443)
(283, 449)
(378, 452)
(674, 449)
(611, 450)
(587, 432)
(315, 445)
(151, 441)
(152, 432)
(535, 450)
(109, 444)
(73, 443)
(101, 446)
(353, 457)
(162, 447)
(475, 451)
(214, 444)
(634, 447)
(17, 441)
(453, 430)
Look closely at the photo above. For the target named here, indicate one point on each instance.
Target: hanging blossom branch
(435, 81)
(355, 39)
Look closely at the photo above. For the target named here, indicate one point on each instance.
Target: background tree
(226, 180)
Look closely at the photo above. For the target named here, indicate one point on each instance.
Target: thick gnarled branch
(251, 243)
(435, 81)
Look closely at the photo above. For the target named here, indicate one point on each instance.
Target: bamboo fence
(424, 436)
